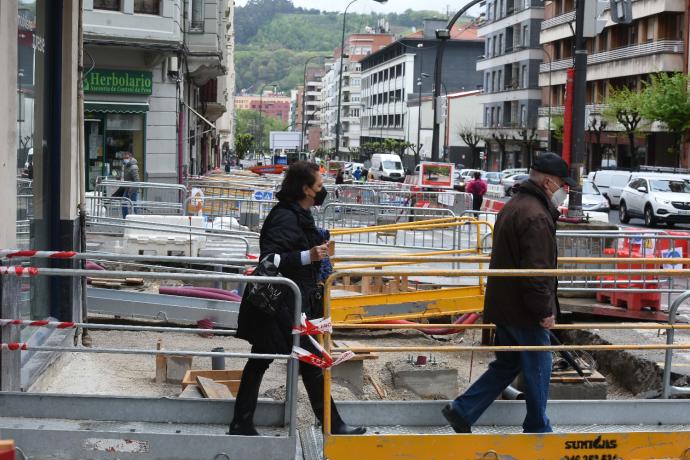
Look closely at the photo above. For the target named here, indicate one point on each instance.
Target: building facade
(397, 77)
(510, 72)
(152, 87)
(270, 105)
(357, 47)
(621, 55)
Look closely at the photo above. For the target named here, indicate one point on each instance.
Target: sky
(368, 6)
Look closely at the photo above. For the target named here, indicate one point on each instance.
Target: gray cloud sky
(368, 6)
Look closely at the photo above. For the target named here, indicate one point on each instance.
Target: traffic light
(621, 11)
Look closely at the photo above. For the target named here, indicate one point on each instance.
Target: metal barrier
(103, 206)
(667, 389)
(221, 210)
(154, 198)
(350, 215)
(121, 410)
(451, 233)
(643, 437)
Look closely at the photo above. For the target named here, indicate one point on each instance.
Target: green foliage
(665, 99)
(251, 121)
(243, 143)
(286, 68)
(557, 125)
(624, 105)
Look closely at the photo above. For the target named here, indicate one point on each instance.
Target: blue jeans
(125, 207)
(536, 371)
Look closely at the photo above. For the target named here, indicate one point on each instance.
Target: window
(500, 80)
(197, 24)
(500, 44)
(498, 116)
(112, 5)
(486, 117)
(525, 36)
(487, 86)
(525, 77)
(147, 6)
(523, 115)
(390, 120)
(355, 82)
(492, 115)
(354, 113)
(397, 120)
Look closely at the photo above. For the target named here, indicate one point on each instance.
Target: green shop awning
(115, 107)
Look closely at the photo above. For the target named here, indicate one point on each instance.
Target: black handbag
(267, 298)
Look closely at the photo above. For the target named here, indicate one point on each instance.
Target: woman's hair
(477, 175)
(299, 174)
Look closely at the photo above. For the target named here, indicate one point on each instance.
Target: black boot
(247, 398)
(313, 383)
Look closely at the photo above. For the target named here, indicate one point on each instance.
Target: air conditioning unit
(173, 67)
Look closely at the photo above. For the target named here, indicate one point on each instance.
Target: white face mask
(559, 197)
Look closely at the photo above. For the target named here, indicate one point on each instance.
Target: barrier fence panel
(635, 432)
(349, 215)
(152, 198)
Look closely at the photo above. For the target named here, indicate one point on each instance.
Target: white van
(387, 166)
(607, 178)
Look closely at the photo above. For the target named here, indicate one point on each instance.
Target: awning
(116, 107)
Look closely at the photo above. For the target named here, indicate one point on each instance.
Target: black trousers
(253, 373)
(477, 202)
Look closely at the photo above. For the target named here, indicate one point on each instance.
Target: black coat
(288, 230)
(524, 237)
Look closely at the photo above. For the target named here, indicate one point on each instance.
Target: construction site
(150, 367)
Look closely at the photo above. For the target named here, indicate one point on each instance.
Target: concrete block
(427, 381)
(177, 367)
(352, 371)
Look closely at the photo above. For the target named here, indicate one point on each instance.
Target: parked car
(387, 166)
(512, 181)
(656, 199)
(592, 198)
(464, 176)
(492, 177)
(513, 171)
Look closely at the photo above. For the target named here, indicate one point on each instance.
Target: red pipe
(568, 114)
(92, 266)
(216, 290)
(467, 318)
(187, 292)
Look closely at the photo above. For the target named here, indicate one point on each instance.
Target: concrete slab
(427, 381)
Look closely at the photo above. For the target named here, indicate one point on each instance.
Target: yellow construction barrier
(604, 445)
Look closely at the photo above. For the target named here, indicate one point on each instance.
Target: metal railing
(154, 198)
(350, 215)
(564, 18)
(625, 52)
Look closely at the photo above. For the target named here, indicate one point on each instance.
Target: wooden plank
(191, 392)
(380, 390)
(213, 390)
(161, 364)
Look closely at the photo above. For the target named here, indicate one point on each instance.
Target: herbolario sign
(118, 82)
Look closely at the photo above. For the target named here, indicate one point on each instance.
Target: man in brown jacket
(522, 308)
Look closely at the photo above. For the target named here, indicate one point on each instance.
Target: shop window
(123, 133)
(111, 5)
(147, 6)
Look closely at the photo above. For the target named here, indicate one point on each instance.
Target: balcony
(558, 20)
(510, 94)
(127, 26)
(517, 16)
(511, 55)
(590, 109)
(652, 57)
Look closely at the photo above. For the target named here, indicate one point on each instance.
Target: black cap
(550, 163)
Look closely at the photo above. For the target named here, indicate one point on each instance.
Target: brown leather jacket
(524, 237)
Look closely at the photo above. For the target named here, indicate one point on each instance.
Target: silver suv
(656, 199)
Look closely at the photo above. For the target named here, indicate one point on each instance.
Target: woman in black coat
(290, 234)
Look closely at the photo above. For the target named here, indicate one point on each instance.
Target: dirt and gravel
(133, 375)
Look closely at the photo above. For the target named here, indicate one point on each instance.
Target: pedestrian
(522, 308)
(357, 174)
(477, 187)
(130, 174)
(289, 232)
(340, 177)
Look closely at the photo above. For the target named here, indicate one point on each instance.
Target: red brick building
(271, 105)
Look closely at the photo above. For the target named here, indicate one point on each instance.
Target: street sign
(263, 195)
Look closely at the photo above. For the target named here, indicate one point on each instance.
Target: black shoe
(455, 421)
(243, 430)
(344, 428)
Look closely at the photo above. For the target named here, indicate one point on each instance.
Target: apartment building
(357, 47)
(270, 104)
(153, 80)
(510, 72)
(312, 108)
(622, 55)
(398, 77)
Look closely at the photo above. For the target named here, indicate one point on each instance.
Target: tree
(624, 105)
(528, 139)
(470, 137)
(665, 99)
(243, 142)
(250, 121)
(558, 125)
(595, 126)
(502, 140)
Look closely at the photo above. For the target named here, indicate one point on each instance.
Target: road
(638, 223)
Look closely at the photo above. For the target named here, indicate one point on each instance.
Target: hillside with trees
(274, 38)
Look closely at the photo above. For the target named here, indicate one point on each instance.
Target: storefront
(115, 120)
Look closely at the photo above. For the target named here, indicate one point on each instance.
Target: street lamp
(340, 71)
(548, 127)
(261, 111)
(443, 35)
(304, 98)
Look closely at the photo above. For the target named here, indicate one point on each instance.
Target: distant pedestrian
(522, 308)
(357, 174)
(340, 177)
(130, 174)
(477, 187)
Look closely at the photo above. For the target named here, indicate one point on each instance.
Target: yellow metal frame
(551, 446)
(441, 302)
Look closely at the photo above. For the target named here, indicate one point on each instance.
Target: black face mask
(320, 196)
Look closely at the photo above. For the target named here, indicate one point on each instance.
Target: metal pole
(666, 389)
(578, 119)
(419, 98)
(548, 126)
(437, 73)
(340, 80)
